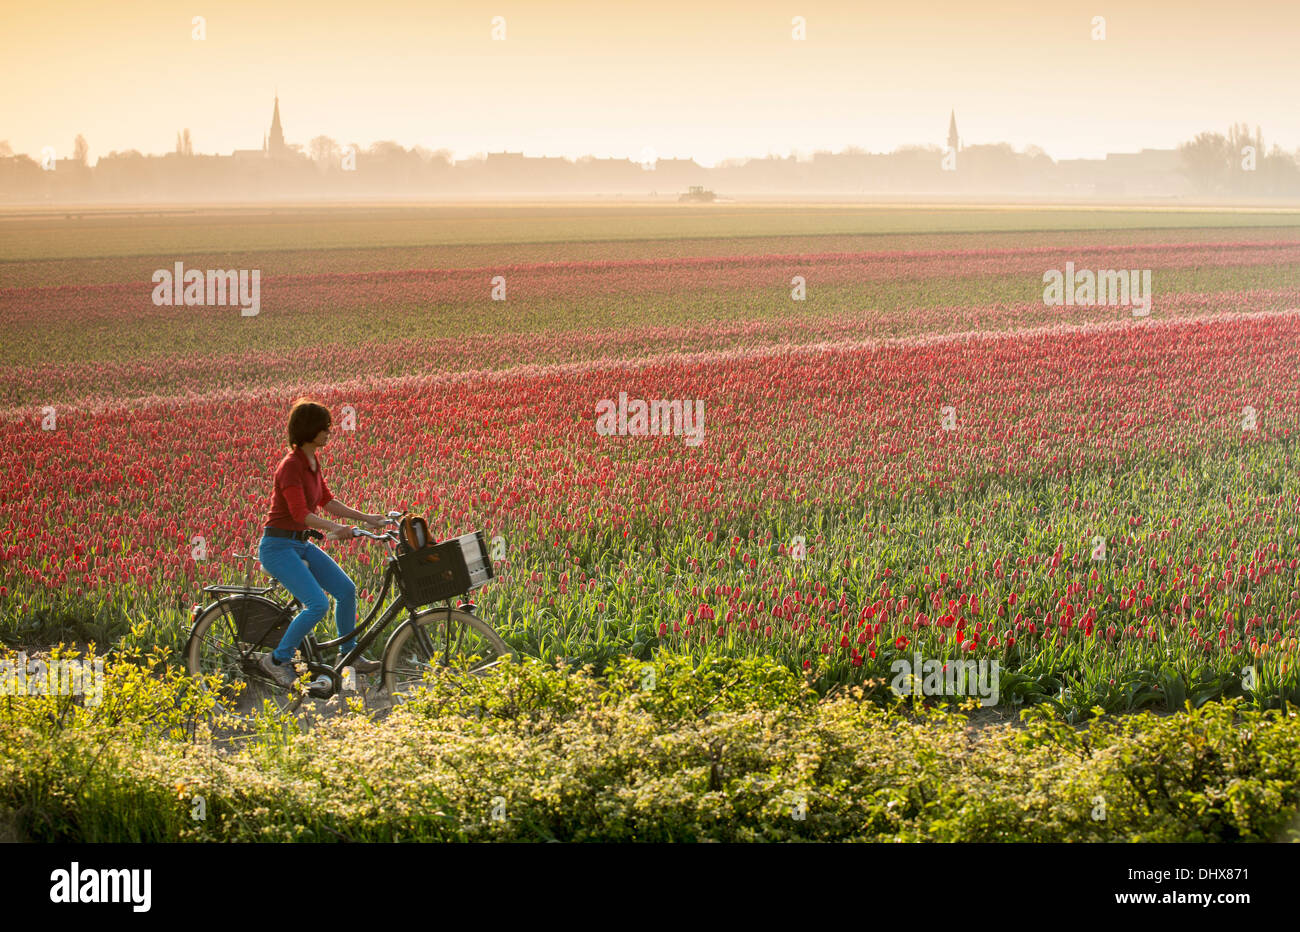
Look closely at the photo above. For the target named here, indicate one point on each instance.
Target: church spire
(952, 131)
(276, 142)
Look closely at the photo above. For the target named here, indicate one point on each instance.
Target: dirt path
(233, 728)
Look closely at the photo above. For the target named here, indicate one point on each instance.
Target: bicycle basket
(437, 572)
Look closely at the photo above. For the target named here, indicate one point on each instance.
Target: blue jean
(283, 558)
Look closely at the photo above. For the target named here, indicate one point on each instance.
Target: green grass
(315, 228)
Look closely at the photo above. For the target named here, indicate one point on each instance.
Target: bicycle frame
(232, 598)
(394, 608)
(368, 630)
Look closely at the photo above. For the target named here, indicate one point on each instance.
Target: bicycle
(230, 635)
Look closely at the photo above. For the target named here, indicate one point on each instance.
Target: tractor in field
(697, 194)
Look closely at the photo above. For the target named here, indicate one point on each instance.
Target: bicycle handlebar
(362, 532)
(389, 535)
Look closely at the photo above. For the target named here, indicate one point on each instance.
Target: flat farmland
(906, 450)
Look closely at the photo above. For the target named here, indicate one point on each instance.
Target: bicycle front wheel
(440, 641)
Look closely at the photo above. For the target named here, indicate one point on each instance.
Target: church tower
(952, 131)
(275, 146)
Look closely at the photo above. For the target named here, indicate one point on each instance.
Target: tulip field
(904, 449)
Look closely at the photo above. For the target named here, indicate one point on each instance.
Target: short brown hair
(306, 420)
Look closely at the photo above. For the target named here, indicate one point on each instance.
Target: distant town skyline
(1211, 165)
(275, 146)
(708, 82)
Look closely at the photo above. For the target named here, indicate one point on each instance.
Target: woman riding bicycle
(286, 553)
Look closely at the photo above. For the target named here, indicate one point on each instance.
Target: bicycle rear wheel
(437, 641)
(229, 639)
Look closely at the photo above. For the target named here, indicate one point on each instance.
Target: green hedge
(736, 750)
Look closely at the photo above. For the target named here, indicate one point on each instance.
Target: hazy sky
(708, 80)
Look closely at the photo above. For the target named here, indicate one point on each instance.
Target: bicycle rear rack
(221, 589)
(238, 590)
